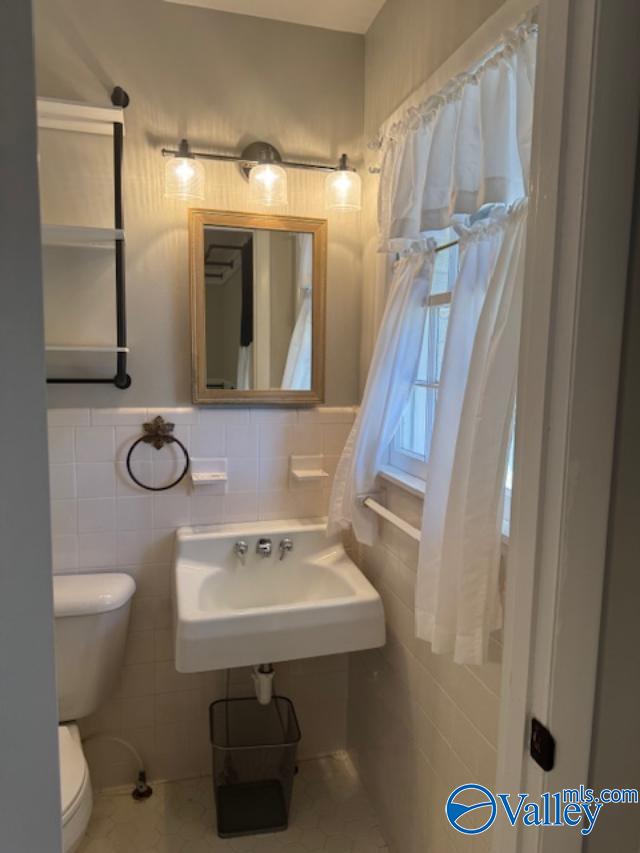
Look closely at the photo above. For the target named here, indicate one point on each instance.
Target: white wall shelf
(307, 469)
(104, 121)
(62, 348)
(210, 474)
(54, 114)
(80, 236)
(310, 475)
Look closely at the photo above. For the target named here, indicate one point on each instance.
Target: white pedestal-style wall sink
(234, 609)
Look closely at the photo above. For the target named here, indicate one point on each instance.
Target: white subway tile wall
(418, 724)
(102, 521)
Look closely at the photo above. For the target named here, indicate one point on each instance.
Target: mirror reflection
(258, 308)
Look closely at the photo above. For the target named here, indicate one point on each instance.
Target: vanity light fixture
(266, 171)
(184, 175)
(267, 178)
(343, 188)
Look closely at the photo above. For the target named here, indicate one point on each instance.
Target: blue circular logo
(463, 809)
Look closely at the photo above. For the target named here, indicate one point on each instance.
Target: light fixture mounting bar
(231, 158)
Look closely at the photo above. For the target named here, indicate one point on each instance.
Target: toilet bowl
(75, 787)
(91, 621)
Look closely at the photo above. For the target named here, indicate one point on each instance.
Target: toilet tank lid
(81, 595)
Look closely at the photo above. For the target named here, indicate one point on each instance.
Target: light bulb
(343, 190)
(184, 179)
(268, 185)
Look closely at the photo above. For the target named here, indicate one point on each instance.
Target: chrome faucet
(264, 547)
(286, 545)
(241, 549)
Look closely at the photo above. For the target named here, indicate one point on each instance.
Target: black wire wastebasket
(254, 761)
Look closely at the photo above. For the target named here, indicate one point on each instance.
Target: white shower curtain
(297, 369)
(243, 378)
(457, 595)
(391, 376)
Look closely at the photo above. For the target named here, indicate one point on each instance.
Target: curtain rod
(446, 246)
(440, 248)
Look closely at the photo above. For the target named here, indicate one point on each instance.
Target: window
(409, 451)
(410, 448)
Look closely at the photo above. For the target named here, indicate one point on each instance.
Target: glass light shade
(268, 185)
(184, 179)
(343, 190)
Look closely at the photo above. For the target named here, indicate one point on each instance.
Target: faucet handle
(286, 545)
(241, 548)
(264, 547)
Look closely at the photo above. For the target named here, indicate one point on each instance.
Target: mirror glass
(258, 308)
(256, 322)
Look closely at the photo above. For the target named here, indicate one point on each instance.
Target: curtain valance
(465, 146)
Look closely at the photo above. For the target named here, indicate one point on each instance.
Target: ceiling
(352, 16)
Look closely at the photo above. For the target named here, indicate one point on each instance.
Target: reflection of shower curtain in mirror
(297, 371)
(243, 381)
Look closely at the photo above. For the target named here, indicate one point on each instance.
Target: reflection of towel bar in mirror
(257, 308)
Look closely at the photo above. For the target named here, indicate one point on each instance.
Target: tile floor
(329, 813)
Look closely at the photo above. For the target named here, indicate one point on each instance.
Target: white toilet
(91, 620)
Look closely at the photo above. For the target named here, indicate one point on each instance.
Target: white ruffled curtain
(391, 376)
(457, 594)
(297, 369)
(466, 146)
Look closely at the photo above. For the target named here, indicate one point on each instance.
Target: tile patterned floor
(329, 813)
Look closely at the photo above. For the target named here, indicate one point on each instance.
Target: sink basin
(239, 611)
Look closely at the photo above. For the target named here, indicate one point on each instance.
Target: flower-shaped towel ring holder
(158, 432)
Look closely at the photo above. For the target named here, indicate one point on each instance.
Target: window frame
(400, 458)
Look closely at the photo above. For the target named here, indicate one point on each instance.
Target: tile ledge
(413, 485)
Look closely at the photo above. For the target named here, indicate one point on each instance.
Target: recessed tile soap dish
(307, 469)
(209, 477)
(210, 472)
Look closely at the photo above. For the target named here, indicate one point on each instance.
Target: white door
(583, 168)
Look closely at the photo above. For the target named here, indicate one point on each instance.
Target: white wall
(222, 80)
(418, 725)
(29, 783)
(103, 522)
(407, 42)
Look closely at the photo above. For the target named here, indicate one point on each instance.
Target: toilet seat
(75, 786)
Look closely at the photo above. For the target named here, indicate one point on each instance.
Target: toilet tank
(91, 621)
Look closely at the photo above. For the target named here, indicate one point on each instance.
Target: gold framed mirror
(258, 287)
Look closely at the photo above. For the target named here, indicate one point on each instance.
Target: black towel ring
(158, 433)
